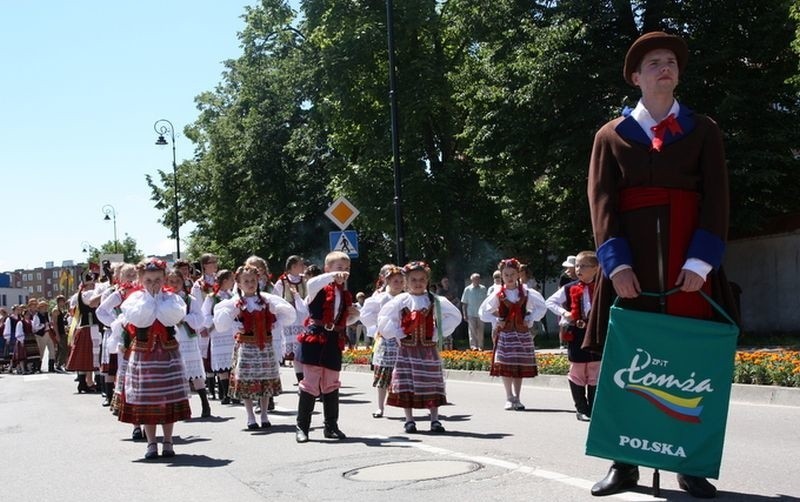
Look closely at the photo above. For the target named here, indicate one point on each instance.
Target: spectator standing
(471, 300)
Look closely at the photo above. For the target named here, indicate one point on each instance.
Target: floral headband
(392, 270)
(509, 263)
(155, 265)
(415, 266)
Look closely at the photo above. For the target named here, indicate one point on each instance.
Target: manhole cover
(412, 471)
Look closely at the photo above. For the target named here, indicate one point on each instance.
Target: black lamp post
(398, 201)
(162, 127)
(86, 247)
(111, 214)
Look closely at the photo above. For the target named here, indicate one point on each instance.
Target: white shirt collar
(646, 121)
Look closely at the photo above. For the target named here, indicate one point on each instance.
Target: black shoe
(697, 487)
(331, 431)
(152, 451)
(271, 404)
(167, 451)
(619, 478)
(436, 426)
(265, 424)
(137, 435)
(252, 427)
(300, 435)
(410, 427)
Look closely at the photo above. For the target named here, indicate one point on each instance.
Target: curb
(740, 393)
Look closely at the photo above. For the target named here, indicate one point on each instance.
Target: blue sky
(82, 84)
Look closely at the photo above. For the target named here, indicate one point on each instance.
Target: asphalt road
(61, 446)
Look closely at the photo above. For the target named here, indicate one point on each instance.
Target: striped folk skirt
(82, 354)
(417, 379)
(190, 354)
(221, 350)
(255, 372)
(155, 389)
(514, 356)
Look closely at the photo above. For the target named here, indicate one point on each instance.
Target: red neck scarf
(576, 299)
(338, 319)
(668, 124)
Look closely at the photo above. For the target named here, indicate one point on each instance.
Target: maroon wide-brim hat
(650, 42)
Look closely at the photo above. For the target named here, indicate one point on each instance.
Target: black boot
(204, 400)
(109, 394)
(591, 390)
(620, 477)
(223, 392)
(330, 403)
(211, 385)
(51, 365)
(305, 407)
(697, 487)
(82, 386)
(581, 403)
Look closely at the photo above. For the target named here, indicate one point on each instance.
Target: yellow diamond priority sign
(342, 213)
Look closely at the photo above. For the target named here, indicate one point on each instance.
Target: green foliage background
(499, 102)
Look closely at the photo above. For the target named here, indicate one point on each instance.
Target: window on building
(39, 288)
(49, 281)
(38, 276)
(55, 274)
(5, 301)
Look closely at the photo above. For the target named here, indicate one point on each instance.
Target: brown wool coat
(622, 158)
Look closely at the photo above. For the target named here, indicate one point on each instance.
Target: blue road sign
(346, 242)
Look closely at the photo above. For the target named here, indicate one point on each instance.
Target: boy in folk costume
(221, 342)
(658, 197)
(252, 316)
(572, 303)
(384, 353)
(512, 310)
(419, 321)
(331, 309)
(188, 338)
(291, 286)
(155, 386)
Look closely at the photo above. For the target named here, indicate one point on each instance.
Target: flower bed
(758, 367)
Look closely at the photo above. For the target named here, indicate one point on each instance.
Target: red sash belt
(683, 218)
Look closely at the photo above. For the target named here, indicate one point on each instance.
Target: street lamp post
(162, 127)
(111, 214)
(398, 207)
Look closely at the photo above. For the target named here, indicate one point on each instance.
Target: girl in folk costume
(331, 309)
(264, 279)
(512, 310)
(573, 302)
(291, 286)
(419, 320)
(125, 276)
(84, 357)
(187, 336)
(109, 312)
(390, 284)
(155, 387)
(203, 287)
(252, 315)
(16, 336)
(222, 341)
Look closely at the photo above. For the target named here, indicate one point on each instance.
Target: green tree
(127, 246)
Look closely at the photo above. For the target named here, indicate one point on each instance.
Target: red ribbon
(669, 123)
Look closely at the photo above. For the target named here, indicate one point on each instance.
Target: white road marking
(584, 484)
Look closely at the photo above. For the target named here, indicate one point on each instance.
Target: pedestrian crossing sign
(346, 242)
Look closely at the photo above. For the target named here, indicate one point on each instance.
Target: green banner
(662, 396)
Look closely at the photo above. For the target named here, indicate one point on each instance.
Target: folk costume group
(658, 198)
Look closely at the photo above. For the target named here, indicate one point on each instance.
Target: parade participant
(185, 268)
(418, 320)
(512, 310)
(186, 334)
(4, 316)
(31, 358)
(202, 288)
(44, 335)
(330, 311)
(83, 356)
(291, 286)
(384, 353)
(251, 315)
(58, 319)
(471, 298)
(658, 197)
(155, 387)
(15, 336)
(221, 342)
(264, 280)
(573, 303)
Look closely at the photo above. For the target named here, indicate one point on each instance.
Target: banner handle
(711, 302)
